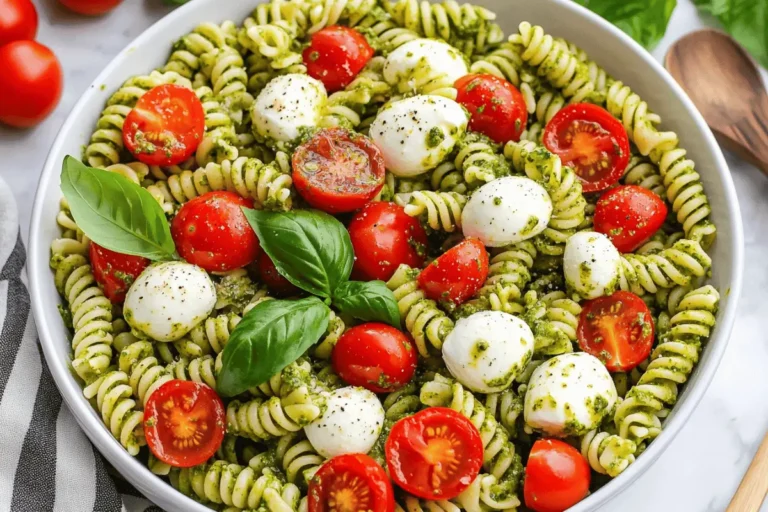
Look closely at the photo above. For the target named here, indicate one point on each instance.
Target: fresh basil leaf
(371, 302)
(310, 248)
(644, 20)
(115, 212)
(745, 20)
(270, 337)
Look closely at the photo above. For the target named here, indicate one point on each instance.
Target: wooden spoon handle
(749, 137)
(754, 486)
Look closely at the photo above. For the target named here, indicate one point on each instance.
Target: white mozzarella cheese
(416, 134)
(569, 395)
(592, 265)
(168, 299)
(351, 423)
(423, 58)
(487, 350)
(506, 211)
(287, 104)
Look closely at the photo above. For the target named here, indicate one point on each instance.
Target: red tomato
(211, 231)
(30, 83)
(350, 482)
(90, 7)
(375, 356)
(592, 142)
(166, 125)
(384, 237)
(338, 171)
(434, 454)
(336, 55)
(276, 283)
(18, 20)
(556, 476)
(617, 329)
(184, 423)
(115, 272)
(629, 215)
(497, 108)
(457, 274)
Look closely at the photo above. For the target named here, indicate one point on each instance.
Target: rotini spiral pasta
(298, 458)
(440, 211)
(118, 409)
(325, 346)
(508, 274)
(606, 453)
(345, 107)
(479, 160)
(675, 266)
(145, 372)
(220, 140)
(185, 57)
(200, 370)
(553, 320)
(644, 173)
(506, 407)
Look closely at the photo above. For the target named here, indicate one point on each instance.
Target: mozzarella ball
(287, 104)
(424, 57)
(506, 211)
(487, 350)
(351, 423)
(416, 134)
(569, 395)
(168, 299)
(592, 265)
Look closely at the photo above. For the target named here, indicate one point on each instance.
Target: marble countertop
(701, 469)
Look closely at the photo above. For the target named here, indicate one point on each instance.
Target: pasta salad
(376, 255)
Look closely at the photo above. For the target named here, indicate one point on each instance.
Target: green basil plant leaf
(371, 302)
(116, 213)
(310, 248)
(644, 20)
(745, 20)
(270, 337)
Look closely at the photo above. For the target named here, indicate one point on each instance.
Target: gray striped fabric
(46, 462)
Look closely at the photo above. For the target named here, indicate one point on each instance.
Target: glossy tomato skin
(556, 476)
(166, 125)
(338, 171)
(353, 481)
(457, 274)
(30, 83)
(436, 436)
(336, 55)
(497, 107)
(91, 7)
(18, 20)
(591, 141)
(629, 215)
(375, 356)
(115, 272)
(268, 274)
(184, 423)
(617, 329)
(384, 237)
(211, 231)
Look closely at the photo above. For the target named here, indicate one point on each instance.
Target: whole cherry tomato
(457, 274)
(115, 272)
(497, 107)
(90, 7)
(629, 215)
(18, 20)
(336, 55)
(353, 481)
(556, 476)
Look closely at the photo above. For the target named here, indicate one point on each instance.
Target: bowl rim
(165, 495)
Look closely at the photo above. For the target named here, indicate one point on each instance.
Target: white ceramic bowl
(616, 52)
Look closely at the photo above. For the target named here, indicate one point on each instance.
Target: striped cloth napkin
(46, 461)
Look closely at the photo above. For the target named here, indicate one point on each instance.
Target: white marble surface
(703, 466)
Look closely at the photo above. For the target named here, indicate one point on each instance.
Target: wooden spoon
(724, 83)
(754, 486)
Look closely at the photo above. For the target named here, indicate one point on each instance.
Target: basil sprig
(370, 301)
(116, 213)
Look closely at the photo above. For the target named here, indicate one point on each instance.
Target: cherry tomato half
(617, 329)
(592, 142)
(211, 231)
(629, 215)
(384, 237)
(434, 454)
(336, 55)
(375, 356)
(338, 171)
(166, 125)
(276, 283)
(497, 108)
(115, 272)
(30, 83)
(556, 476)
(350, 482)
(184, 423)
(457, 274)
(18, 21)
(90, 7)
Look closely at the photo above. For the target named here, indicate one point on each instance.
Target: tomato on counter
(91, 7)
(18, 20)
